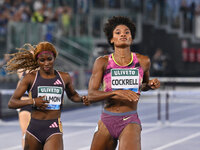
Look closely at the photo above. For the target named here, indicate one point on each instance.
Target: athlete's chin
(47, 70)
(123, 45)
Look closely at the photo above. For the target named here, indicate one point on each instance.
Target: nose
(46, 62)
(123, 35)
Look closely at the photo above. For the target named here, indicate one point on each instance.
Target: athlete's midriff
(120, 106)
(45, 115)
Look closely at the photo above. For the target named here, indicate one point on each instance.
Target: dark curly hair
(26, 57)
(115, 21)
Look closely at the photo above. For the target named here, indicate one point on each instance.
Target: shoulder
(144, 61)
(65, 76)
(22, 73)
(102, 58)
(31, 74)
(101, 61)
(143, 58)
(30, 77)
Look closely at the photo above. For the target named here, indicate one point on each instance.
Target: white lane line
(16, 123)
(84, 148)
(94, 117)
(178, 141)
(89, 110)
(79, 124)
(3, 135)
(9, 123)
(189, 125)
(152, 130)
(94, 124)
(67, 135)
(184, 108)
(187, 119)
(171, 124)
(171, 111)
(18, 147)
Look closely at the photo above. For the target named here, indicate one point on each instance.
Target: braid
(22, 60)
(26, 58)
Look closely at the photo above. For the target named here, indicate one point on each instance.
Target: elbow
(10, 105)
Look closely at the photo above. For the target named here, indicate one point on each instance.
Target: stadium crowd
(38, 11)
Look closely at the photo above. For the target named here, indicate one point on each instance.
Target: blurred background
(167, 31)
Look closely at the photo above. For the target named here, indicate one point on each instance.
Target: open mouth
(46, 68)
(123, 39)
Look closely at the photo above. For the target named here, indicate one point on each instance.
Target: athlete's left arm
(71, 92)
(147, 84)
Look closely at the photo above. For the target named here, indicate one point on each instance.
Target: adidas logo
(53, 125)
(57, 82)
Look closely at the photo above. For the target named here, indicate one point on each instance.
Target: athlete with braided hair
(23, 60)
(46, 87)
(123, 75)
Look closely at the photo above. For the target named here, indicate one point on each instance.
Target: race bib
(125, 79)
(53, 95)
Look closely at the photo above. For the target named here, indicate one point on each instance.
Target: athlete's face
(46, 62)
(121, 36)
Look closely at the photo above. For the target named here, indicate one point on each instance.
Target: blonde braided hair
(26, 59)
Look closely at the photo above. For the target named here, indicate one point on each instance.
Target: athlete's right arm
(15, 101)
(94, 94)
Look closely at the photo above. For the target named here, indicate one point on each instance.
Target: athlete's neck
(48, 75)
(122, 52)
(122, 56)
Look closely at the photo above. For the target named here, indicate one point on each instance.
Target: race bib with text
(125, 79)
(53, 95)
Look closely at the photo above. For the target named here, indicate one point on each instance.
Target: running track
(182, 132)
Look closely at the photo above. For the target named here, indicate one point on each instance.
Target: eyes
(119, 32)
(44, 59)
